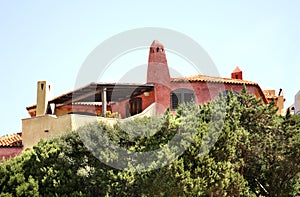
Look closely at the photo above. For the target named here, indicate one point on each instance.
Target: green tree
(234, 146)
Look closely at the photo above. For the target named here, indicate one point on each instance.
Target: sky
(50, 40)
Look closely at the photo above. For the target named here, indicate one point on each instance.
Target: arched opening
(179, 96)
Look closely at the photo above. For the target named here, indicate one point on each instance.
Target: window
(135, 106)
(174, 101)
(181, 96)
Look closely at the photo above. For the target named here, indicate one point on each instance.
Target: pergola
(101, 92)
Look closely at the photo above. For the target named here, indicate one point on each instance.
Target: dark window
(135, 106)
(181, 96)
(174, 101)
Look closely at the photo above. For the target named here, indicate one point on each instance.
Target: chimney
(158, 71)
(158, 74)
(237, 74)
(43, 93)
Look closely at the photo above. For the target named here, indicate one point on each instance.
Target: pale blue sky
(49, 40)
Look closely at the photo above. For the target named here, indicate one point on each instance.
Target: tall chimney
(43, 91)
(158, 70)
(158, 74)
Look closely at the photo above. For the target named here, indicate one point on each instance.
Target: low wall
(149, 111)
(44, 127)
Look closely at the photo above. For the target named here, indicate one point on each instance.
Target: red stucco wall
(9, 152)
(204, 92)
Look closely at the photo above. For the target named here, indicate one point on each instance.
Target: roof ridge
(207, 78)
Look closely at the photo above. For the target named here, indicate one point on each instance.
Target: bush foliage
(233, 146)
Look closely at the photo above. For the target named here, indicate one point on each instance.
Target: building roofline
(211, 79)
(11, 141)
(93, 89)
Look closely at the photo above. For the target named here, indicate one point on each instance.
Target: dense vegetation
(234, 146)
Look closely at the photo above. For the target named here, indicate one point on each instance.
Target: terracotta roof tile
(205, 78)
(14, 140)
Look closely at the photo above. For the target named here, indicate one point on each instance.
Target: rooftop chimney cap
(237, 70)
(156, 43)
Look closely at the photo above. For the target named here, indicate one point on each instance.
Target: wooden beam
(80, 97)
(104, 101)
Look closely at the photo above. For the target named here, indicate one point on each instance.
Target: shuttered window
(181, 96)
(174, 101)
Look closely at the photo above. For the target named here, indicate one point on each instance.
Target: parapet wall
(48, 126)
(45, 127)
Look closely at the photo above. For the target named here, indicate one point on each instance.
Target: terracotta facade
(111, 100)
(204, 89)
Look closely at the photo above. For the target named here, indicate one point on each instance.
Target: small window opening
(157, 49)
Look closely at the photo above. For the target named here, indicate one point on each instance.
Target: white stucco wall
(297, 103)
(45, 127)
